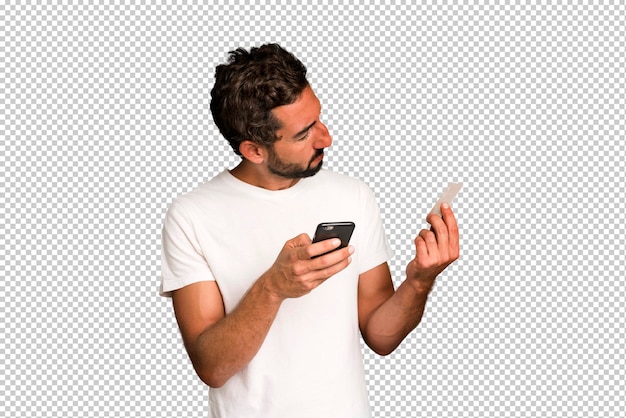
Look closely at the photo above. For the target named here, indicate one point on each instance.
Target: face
(299, 151)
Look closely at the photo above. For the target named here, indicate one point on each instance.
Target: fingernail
(336, 242)
(351, 249)
(445, 206)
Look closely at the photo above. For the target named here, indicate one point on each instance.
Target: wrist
(421, 287)
(266, 286)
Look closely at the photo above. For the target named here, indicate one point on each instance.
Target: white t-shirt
(229, 231)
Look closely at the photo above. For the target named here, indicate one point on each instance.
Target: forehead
(302, 112)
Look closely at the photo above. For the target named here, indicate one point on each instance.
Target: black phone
(328, 230)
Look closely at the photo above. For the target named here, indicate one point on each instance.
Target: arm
(220, 345)
(386, 317)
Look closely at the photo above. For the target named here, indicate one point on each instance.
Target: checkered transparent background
(104, 119)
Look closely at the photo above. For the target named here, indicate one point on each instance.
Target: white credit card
(447, 196)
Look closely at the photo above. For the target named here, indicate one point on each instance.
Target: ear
(252, 152)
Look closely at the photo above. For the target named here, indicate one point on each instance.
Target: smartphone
(328, 230)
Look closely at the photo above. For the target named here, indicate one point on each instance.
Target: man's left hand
(435, 249)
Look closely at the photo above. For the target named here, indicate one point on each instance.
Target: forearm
(230, 344)
(393, 320)
(221, 345)
(399, 313)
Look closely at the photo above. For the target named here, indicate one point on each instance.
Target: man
(272, 329)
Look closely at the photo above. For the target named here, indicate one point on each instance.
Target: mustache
(317, 154)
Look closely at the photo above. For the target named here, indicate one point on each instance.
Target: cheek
(301, 149)
(296, 151)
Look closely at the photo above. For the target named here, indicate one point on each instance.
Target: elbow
(214, 383)
(208, 371)
(383, 351)
(211, 378)
(212, 375)
(382, 348)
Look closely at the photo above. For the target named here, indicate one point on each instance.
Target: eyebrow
(303, 131)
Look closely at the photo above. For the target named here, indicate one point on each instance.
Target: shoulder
(198, 199)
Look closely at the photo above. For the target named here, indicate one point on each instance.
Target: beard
(291, 170)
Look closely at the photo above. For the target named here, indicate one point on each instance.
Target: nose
(323, 138)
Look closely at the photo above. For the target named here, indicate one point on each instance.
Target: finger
(453, 230)
(331, 264)
(449, 219)
(438, 227)
(429, 239)
(322, 268)
(301, 240)
(331, 258)
(319, 248)
(421, 249)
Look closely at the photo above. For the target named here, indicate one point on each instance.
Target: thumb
(301, 240)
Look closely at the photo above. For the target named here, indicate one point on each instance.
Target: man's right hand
(220, 345)
(295, 273)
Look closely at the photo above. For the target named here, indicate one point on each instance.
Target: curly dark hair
(249, 86)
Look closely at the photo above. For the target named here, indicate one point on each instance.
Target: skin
(220, 345)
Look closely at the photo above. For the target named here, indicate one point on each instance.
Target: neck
(257, 175)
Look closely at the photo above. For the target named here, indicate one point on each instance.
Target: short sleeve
(376, 246)
(182, 259)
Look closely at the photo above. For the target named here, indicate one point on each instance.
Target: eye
(306, 135)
